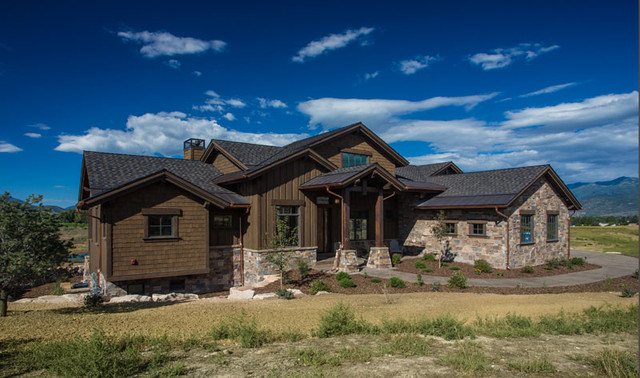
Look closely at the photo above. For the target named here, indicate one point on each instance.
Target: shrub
(284, 294)
(396, 258)
(483, 265)
(376, 280)
(347, 283)
(408, 345)
(628, 292)
(427, 270)
(419, 279)
(57, 290)
(454, 268)
(429, 257)
(395, 282)
(242, 330)
(419, 264)
(477, 271)
(500, 274)
(636, 274)
(527, 269)
(457, 280)
(342, 275)
(318, 285)
(579, 261)
(554, 263)
(303, 268)
(365, 275)
(445, 264)
(435, 286)
(340, 320)
(93, 300)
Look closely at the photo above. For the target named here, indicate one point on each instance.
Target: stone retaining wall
(256, 266)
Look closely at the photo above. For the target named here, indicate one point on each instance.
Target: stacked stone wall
(256, 266)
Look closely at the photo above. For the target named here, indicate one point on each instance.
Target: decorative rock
(132, 298)
(296, 292)
(240, 293)
(324, 293)
(264, 296)
(379, 258)
(267, 280)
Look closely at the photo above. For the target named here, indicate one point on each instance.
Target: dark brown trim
(455, 226)
(214, 146)
(553, 212)
(422, 189)
(527, 212)
(356, 152)
(460, 207)
(284, 202)
(373, 168)
(142, 276)
(447, 166)
(162, 239)
(162, 211)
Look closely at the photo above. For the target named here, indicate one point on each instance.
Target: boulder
(264, 296)
(240, 293)
(132, 298)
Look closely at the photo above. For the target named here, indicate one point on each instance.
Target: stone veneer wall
(256, 267)
(415, 226)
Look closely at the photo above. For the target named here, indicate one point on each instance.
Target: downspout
(242, 250)
(339, 251)
(389, 196)
(508, 232)
(569, 234)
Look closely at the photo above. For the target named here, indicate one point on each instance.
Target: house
(204, 223)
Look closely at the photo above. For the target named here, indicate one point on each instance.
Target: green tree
(439, 230)
(283, 237)
(30, 245)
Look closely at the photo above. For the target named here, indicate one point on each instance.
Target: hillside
(616, 197)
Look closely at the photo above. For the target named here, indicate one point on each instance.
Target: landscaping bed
(431, 269)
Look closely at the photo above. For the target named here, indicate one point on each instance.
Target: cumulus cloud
(330, 42)
(265, 103)
(155, 44)
(8, 147)
(376, 113)
(590, 112)
(500, 57)
(174, 63)
(215, 103)
(411, 66)
(33, 135)
(372, 75)
(550, 89)
(197, 73)
(162, 133)
(40, 126)
(229, 117)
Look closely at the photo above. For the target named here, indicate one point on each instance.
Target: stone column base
(379, 258)
(348, 262)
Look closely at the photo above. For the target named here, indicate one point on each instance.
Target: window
(476, 229)
(288, 223)
(222, 221)
(526, 228)
(450, 228)
(358, 225)
(552, 227)
(160, 226)
(350, 160)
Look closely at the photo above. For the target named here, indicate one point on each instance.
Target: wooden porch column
(380, 219)
(346, 214)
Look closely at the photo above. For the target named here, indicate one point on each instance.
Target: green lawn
(606, 239)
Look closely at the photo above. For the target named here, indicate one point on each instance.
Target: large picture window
(526, 228)
(350, 160)
(358, 225)
(288, 225)
(552, 227)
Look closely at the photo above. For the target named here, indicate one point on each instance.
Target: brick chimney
(193, 149)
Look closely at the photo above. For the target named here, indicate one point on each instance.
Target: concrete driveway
(613, 266)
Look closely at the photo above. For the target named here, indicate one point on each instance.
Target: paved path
(613, 265)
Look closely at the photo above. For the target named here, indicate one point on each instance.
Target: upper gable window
(350, 159)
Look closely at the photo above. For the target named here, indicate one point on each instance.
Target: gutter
(508, 232)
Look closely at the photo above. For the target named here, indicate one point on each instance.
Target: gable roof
(247, 154)
(423, 172)
(496, 188)
(108, 172)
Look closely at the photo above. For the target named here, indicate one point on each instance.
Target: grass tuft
(538, 365)
(613, 363)
(468, 358)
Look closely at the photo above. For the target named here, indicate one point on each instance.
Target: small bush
(419, 279)
(284, 294)
(242, 330)
(500, 274)
(396, 259)
(347, 283)
(419, 265)
(318, 285)
(457, 281)
(376, 280)
(483, 265)
(636, 274)
(579, 261)
(57, 290)
(365, 275)
(303, 268)
(429, 257)
(435, 286)
(93, 300)
(445, 264)
(342, 275)
(554, 263)
(454, 268)
(340, 320)
(527, 269)
(408, 345)
(427, 270)
(396, 282)
(628, 292)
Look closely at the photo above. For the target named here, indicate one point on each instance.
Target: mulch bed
(46, 289)
(365, 286)
(446, 271)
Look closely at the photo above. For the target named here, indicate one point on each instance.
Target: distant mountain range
(53, 208)
(616, 197)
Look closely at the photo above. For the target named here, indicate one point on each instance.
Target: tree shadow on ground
(114, 308)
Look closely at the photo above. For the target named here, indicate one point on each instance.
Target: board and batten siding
(189, 252)
(332, 151)
(280, 186)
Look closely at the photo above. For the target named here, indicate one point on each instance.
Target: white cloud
(174, 63)
(236, 103)
(590, 112)
(8, 147)
(369, 76)
(215, 103)
(33, 135)
(40, 126)
(162, 133)
(409, 67)
(330, 42)
(166, 44)
(229, 117)
(59, 186)
(550, 89)
(376, 113)
(500, 58)
(265, 103)
(197, 73)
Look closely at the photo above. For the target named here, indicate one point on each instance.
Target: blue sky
(488, 85)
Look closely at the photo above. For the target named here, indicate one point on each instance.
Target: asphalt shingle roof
(420, 172)
(338, 176)
(248, 154)
(107, 171)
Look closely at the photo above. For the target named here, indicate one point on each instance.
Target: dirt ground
(38, 321)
